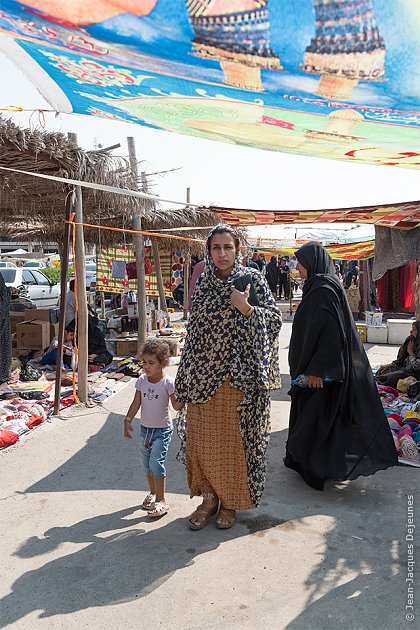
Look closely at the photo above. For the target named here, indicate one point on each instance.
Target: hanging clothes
(118, 269)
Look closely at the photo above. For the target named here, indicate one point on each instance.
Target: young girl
(153, 391)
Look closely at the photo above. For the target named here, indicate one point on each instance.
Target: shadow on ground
(124, 560)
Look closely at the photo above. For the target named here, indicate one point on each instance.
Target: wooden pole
(138, 241)
(103, 312)
(82, 310)
(158, 271)
(156, 259)
(187, 265)
(64, 267)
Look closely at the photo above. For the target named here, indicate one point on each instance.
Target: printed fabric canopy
(332, 78)
(349, 251)
(403, 216)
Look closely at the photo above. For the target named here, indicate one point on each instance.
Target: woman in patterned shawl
(228, 367)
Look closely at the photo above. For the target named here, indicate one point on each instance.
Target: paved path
(78, 552)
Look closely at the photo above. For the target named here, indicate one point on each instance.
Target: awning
(328, 79)
(404, 216)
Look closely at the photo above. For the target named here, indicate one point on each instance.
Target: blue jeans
(153, 450)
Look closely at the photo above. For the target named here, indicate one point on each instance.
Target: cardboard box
(133, 310)
(53, 331)
(15, 319)
(398, 330)
(373, 318)
(42, 314)
(34, 334)
(377, 334)
(17, 352)
(126, 347)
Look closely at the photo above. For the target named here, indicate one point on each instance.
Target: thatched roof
(35, 208)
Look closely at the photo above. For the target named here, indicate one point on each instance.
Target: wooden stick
(187, 266)
(138, 241)
(82, 316)
(64, 267)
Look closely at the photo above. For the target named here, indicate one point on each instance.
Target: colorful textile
(112, 258)
(343, 87)
(396, 289)
(404, 216)
(394, 249)
(221, 342)
(215, 455)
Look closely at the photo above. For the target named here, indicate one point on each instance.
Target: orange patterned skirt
(215, 455)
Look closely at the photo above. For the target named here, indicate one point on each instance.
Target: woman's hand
(239, 299)
(410, 348)
(315, 381)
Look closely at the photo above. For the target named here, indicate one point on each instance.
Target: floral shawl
(221, 342)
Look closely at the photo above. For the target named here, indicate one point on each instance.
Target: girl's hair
(159, 349)
(222, 228)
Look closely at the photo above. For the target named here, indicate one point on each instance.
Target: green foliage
(53, 273)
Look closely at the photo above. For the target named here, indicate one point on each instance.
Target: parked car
(3, 263)
(35, 264)
(42, 291)
(90, 273)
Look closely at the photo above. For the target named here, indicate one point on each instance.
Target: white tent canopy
(16, 252)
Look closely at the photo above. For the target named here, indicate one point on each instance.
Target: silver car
(42, 291)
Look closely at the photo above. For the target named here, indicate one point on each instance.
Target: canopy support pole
(156, 259)
(64, 267)
(187, 265)
(138, 241)
(82, 310)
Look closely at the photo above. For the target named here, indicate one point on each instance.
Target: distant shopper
(70, 304)
(284, 279)
(272, 275)
(256, 258)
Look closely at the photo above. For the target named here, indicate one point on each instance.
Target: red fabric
(7, 438)
(34, 421)
(396, 290)
(131, 271)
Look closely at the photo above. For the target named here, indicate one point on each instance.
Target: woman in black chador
(337, 429)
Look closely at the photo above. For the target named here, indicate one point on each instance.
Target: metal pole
(138, 241)
(187, 265)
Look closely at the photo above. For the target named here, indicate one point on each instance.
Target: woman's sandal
(202, 514)
(149, 501)
(159, 509)
(225, 515)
